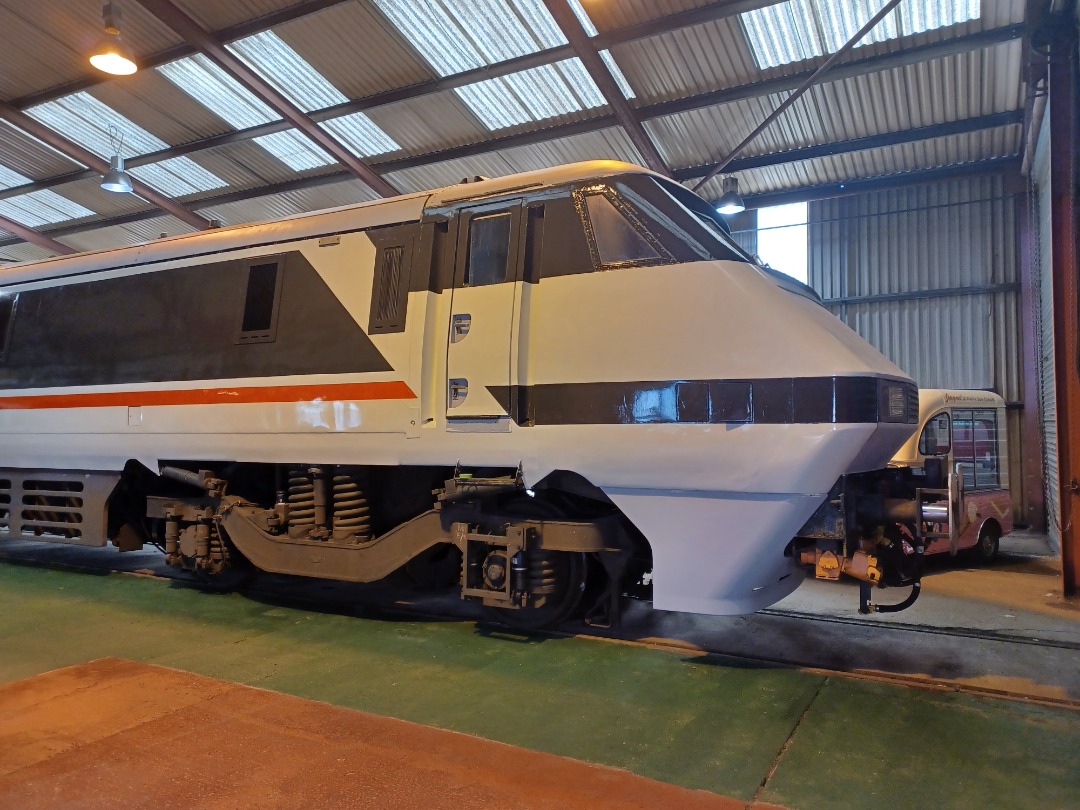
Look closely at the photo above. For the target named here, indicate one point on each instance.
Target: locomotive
(552, 388)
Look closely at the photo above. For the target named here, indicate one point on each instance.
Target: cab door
(487, 267)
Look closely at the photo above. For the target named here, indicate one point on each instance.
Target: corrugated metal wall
(744, 230)
(1040, 176)
(930, 275)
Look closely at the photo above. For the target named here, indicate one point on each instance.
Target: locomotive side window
(7, 318)
(934, 440)
(261, 302)
(489, 250)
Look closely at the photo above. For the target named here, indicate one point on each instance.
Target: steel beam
(600, 74)
(1064, 222)
(100, 166)
(960, 127)
(199, 37)
(1006, 165)
(811, 80)
(672, 22)
(233, 32)
(596, 124)
(34, 237)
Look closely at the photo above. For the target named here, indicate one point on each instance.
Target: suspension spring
(543, 573)
(301, 497)
(351, 509)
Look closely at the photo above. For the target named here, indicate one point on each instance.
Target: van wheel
(989, 539)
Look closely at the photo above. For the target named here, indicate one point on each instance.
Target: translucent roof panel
(9, 178)
(177, 177)
(215, 89)
(802, 29)
(786, 32)
(455, 36)
(83, 119)
(41, 208)
(223, 95)
(294, 150)
(309, 90)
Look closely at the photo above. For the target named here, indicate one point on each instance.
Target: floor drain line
(787, 744)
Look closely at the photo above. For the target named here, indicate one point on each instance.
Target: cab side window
(934, 440)
(489, 249)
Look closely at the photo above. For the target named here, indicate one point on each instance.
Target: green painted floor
(816, 741)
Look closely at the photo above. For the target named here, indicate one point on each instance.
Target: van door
(478, 355)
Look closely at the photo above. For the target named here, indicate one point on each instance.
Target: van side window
(489, 249)
(976, 448)
(7, 319)
(934, 440)
(618, 236)
(261, 301)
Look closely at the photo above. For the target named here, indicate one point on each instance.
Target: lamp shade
(112, 55)
(731, 202)
(116, 179)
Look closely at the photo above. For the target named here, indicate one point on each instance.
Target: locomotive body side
(585, 331)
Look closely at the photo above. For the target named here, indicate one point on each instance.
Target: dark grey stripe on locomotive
(791, 400)
(181, 324)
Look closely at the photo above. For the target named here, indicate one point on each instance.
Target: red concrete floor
(115, 733)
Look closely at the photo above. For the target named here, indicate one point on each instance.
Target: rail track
(673, 633)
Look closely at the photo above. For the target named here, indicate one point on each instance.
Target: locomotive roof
(317, 223)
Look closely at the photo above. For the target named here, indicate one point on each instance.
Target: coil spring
(543, 572)
(351, 509)
(301, 497)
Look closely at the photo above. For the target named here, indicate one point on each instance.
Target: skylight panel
(583, 17)
(216, 90)
(455, 36)
(493, 105)
(532, 95)
(358, 133)
(786, 32)
(83, 119)
(288, 71)
(309, 90)
(294, 150)
(233, 103)
(841, 21)
(926, 15)
(177, 177)
(802, 29)
(9, 178)
(42, 208)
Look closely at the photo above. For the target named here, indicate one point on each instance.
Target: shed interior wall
(929, 274)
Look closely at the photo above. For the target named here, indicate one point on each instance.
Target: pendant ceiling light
(731, 202)
(116, 179)
(112, 55)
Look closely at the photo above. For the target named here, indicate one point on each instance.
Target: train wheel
(565, 569)
(234, 577)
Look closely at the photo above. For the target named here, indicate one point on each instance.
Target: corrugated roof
(351, 49)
